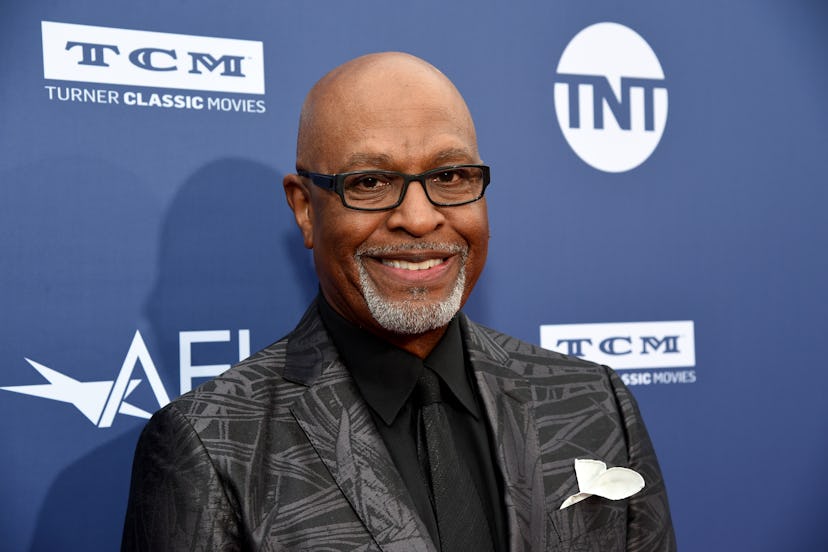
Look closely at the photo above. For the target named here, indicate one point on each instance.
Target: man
(323, 440)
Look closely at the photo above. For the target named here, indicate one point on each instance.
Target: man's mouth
(410, 265)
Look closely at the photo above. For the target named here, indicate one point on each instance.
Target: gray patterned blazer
(281, 453)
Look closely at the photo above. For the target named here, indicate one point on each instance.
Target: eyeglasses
(383, 190)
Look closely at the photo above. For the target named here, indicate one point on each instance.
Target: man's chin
(412, 317)
(413, 310)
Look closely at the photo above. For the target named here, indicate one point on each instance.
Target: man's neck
(419, 345)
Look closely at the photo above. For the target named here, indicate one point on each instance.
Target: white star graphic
(90, 397)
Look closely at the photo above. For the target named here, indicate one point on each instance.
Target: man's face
(409, 269)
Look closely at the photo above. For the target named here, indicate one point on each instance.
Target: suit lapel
(339, 426)
(507, 400)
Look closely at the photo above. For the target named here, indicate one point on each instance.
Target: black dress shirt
(386, 377)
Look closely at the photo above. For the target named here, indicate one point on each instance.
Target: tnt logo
(610, 97)
(121, 56)
(626, 345)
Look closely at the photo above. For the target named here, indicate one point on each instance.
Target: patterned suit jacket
(281, 453)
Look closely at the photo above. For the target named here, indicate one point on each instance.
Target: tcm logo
(626, 345)
(121, 56)
(100, 401)
(610, 97)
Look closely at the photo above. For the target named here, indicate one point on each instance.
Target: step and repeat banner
(657, 204)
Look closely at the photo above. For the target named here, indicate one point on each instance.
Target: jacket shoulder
(250, 384)
(268, 381)
(207, 456)
(522, 357)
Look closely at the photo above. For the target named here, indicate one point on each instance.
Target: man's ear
(298, 197)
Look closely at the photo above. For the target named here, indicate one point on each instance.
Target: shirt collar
(386, 375)
(448, 361)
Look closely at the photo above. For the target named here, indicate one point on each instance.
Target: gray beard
(415, 314)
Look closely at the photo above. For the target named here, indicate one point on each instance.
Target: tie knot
(428, 388)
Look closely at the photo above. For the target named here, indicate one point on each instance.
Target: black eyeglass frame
(335, 183)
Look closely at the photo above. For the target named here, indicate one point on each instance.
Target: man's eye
(367, 183)
(453, 176)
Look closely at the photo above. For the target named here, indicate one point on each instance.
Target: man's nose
(416, 214)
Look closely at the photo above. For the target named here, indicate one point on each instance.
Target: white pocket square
(595, 479)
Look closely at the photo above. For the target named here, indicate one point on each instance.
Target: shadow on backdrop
(230, 258)
(85, 507)
(78, 234)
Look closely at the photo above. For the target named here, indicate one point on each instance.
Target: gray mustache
(447, 248)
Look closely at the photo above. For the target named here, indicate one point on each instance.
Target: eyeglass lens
(378, 189)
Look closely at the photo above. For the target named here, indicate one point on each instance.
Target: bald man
(321, 441)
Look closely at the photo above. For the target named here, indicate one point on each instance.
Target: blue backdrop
(141, 240)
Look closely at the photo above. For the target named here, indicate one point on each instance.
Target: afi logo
(122, 56)
(626, 345)
(100, 401)
(610, 97)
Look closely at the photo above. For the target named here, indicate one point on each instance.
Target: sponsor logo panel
(101, 401)
(667, 350)
(85, 53)
(610, 97)
(168, 67)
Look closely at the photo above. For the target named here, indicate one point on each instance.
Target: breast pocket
(595, 524)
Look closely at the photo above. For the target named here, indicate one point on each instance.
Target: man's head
(401, 273)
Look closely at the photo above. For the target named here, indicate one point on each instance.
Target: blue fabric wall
(117, 218)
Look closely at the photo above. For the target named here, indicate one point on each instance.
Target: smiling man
(387, 420)
(388, 259)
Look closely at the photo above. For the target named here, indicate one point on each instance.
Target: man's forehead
(378, 94)
(398, 112)
(398, 138)
(391, 99)
(379, 65)
(382, 160)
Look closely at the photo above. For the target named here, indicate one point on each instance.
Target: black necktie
(457, 507)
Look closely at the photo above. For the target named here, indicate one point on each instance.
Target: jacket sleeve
(177, 500)
(649, 526)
